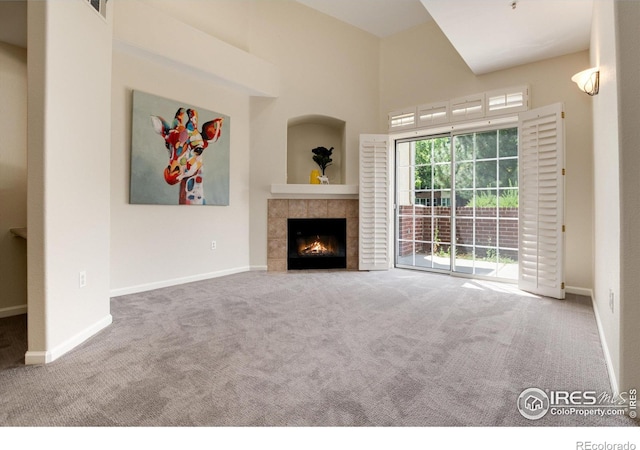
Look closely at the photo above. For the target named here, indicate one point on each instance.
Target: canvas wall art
(179, 153)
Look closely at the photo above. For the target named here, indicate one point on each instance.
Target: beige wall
(69, 132)
(158, 245)
(606, 218)
(301, 139)
(616, 204)
(327, 68)
(420, 66)
(227, 20)
(13, 179)
(628, 18)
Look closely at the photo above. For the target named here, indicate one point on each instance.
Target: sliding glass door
(423, 186)
(457, 203)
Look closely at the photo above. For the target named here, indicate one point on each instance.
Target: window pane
(464, 232)
(442, 202)
(441, 257)
(404, 178)
(441, 150)
(486, 203)
(442, 231)
(509, 199)
(464, 259)
(405, 197)
(508, 175)
(486, 174)
(405, 252)
(508, 233)
(486, 145)
(442, 177)
(464, 203)
(486, 232)
(406, 228)
(423, 229)
(423, 254)
(424, 198)
(423, 152)
(464, 175)
(464, 147)
(486, 261)
(403, 154)
(508, 264)
(422, 210)
(508, 142)
(422, 177)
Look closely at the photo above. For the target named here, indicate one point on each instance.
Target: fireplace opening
(317, 244)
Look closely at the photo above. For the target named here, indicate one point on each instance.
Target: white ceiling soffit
(492, 35)
(379, 17)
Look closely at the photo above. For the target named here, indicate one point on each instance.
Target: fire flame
(317, 247)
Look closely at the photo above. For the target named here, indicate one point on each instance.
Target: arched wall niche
(304, 133)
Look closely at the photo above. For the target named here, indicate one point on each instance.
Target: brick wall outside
(488, 222)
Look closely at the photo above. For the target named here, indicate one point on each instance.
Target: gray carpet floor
(13, 341)
(318, 348)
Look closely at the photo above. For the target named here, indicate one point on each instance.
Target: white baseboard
(603, 340)
(44, 357)
(579, 291)
(258, 268)
(31, 358)
(605, 349)
(13, 311)
(175, 281)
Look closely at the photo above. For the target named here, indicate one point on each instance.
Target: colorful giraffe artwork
(186, 145)
(197, 169)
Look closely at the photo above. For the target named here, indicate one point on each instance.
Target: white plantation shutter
(505, 101)
(402, 120)
(433, 114)
(541, 183)
(465, 108)
(375, 203)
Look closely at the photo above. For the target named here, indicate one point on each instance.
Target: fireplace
(280, 210)
(316, 244)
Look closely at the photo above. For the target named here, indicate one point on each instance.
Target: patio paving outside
(483, 268)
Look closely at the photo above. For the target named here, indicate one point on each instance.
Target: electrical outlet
(213, 245)
(82, 279)
(611, 299)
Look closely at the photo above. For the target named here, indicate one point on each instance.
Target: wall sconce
(588, 81)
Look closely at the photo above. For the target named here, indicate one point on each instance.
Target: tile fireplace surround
(279, 210)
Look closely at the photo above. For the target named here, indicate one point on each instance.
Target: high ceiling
(496, 34)
(488, 34)
(379, 17)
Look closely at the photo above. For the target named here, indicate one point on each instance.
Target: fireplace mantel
(315, 190)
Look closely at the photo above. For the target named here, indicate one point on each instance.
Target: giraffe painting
(185, 145)
(194, 167)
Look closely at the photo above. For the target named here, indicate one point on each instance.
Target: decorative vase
(313, 178)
